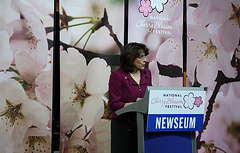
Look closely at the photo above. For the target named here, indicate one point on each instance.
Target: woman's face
(139, 63)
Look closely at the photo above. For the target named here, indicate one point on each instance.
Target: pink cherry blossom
(100, 138)
(207, 56)
(29, 45)
(28, 68)
(169, 53)
(223, 15)
(145, 7)
(43, 82)
(6, 55)
(67, 111)
(84, 87)
(198, 101)
(75, 82)
(37, 140)
(43, 9)
(29, 34)
(18, 113)
(77, 142)
(43, 88)
(213, 11)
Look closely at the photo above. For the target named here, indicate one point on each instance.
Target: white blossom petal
(101, 136)
(13, 91)
(37, 113)
(229, 34)
(207, 72)
(166, 81)
(68, 117)
(67, 88)
(155, 73)
(170, 53)
(43, 88)
(14, 124)
(236, 87)
(74, 64)
(89, 116)
(198, 33)
(98, 74)
(5, 27)
(7, 14)
(28, 68)
(6, 55)
(225, 64)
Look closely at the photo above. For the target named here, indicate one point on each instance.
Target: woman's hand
(127, 104)
(139, 99)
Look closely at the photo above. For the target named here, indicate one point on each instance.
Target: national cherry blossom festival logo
(190, 101)
(147, 6)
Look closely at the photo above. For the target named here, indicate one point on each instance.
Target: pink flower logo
(145, 7)
(198, 101)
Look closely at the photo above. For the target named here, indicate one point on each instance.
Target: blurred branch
(105, 22)
(194, 5)
(172, 71)
(109, 58)
(221, 79)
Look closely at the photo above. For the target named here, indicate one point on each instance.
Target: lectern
(173, 114)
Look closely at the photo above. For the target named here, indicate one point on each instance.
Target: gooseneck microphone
(145, 73)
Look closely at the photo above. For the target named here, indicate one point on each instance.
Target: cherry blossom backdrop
(91, 40)
(159, 24)
(25, 103)
(92, 36)
(212, 59)
(213, 62)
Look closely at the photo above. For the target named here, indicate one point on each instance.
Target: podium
(167, 118)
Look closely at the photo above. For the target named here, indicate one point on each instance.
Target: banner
(91, 39)
(158, 24)
(25, 75)
(213, 62)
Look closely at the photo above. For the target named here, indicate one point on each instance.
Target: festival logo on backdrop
(147, 6)
(156, 24)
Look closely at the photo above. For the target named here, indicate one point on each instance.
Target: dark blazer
(123, 88)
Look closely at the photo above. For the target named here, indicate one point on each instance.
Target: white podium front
(172, 114)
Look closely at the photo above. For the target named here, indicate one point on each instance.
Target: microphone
(145, 73)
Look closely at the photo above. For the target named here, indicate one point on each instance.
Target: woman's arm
(115, 92)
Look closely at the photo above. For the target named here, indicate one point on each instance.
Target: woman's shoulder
(146, 70)
(119, 72)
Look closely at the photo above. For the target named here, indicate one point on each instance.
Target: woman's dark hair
(130, 52)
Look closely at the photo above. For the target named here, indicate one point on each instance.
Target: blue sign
(175, 122)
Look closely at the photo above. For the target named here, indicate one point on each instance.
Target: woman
(126, 86)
